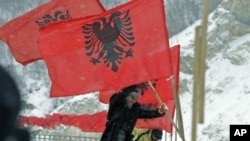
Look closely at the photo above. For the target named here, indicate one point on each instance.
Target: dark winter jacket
(9, 109)
(121, 120)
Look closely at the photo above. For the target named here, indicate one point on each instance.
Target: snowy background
(227, 70)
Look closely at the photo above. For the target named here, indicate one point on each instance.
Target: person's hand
(163, 108)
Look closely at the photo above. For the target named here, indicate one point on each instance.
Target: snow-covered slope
(227, 77)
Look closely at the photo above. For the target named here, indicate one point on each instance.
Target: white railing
(40, 137)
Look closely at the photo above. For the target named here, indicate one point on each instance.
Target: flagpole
(175, 133)
(178, 106)
(166, 139)
(199, 71)
(196, 74)
(166, 111)
(203, 58)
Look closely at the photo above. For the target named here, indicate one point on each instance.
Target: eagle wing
(45, 20)
(92, 40)
(124, 25)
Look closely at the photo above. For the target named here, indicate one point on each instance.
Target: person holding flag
(124, 110)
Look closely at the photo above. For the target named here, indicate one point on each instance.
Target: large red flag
(96, 122)
(21, 33)
(121, 47)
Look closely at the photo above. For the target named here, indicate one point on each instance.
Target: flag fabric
(85, 122)
(164, 89)
(162, 85)
(123, 46)
(21, 33)
(96, 122)
(104, 96)
(175, 55)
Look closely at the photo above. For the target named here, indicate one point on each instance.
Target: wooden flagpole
(196, 74)
(178, 107)
(177, 124)
(166, 111)
(203, 59)
(199, 70)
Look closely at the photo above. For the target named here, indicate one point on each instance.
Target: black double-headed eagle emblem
(56, 16)
(109, 39)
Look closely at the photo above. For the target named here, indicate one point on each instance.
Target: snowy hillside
(227, 77)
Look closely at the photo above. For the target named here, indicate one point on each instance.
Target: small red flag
(21, 33)
(123, 46)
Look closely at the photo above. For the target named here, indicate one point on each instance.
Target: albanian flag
(21, 33)
(123, 46)
(96, 122)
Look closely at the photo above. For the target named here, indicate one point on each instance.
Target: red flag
(121, 47)
(164, 89)
(104, 96)
(162, 85)
(96, 122)
(87, 123)
(21, 33)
